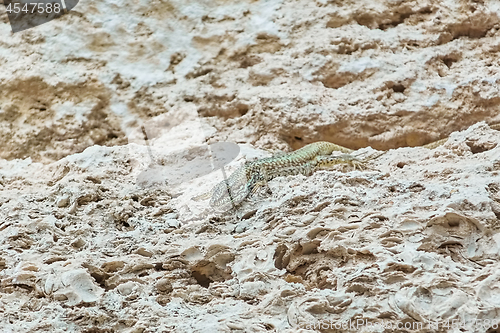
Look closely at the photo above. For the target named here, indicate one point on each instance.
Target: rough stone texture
(101, 233)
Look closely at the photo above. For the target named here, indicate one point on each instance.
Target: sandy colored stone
(101, 230)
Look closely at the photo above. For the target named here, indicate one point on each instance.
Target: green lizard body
(253, 175)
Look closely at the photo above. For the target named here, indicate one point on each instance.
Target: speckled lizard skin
(253, 175)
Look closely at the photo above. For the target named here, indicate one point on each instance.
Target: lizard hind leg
(262, 189)
(259, 185)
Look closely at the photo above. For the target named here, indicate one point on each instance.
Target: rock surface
(101, 231)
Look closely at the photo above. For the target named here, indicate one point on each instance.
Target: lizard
(252, 176)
